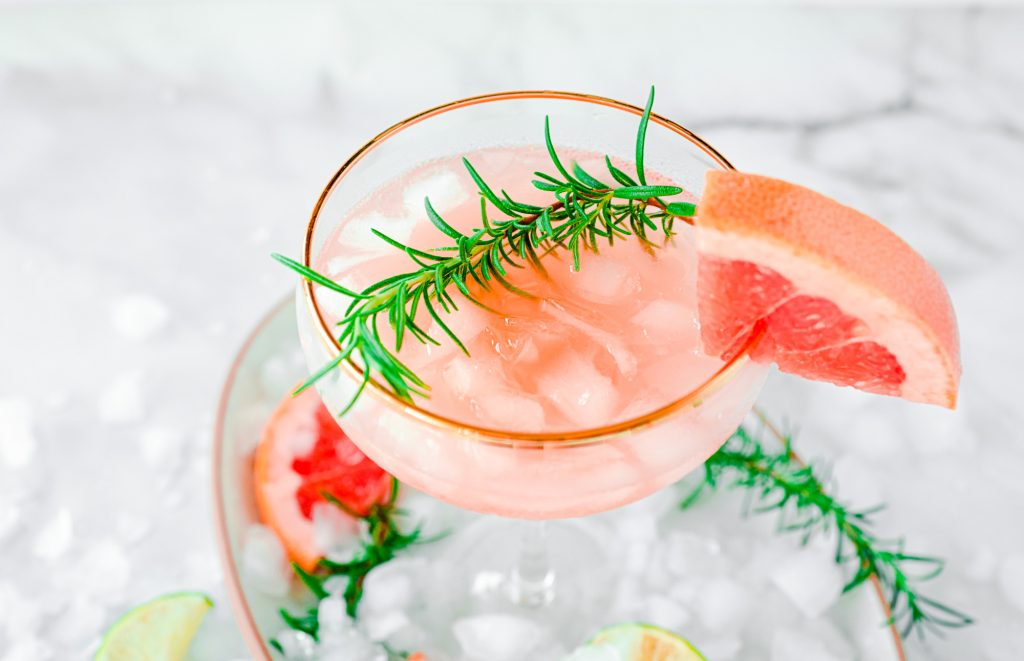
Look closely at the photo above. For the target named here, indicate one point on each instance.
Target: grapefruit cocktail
(599, 348)
(558, 345)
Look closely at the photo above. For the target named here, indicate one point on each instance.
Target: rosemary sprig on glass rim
(585, 212)
(383, 540)
(782, 483)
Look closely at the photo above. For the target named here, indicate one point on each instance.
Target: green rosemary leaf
(683, 209)
(407, 249)
(645, 192)
(641, 138)
(399, 322)
(313, 276)
(545, 186)
(329, 366)
(438, 221)
(359, 391)
(300, 623)
(315, 585)
(551, 151)
(586, 177)
(618, 175)
(486, 190)
(520, 207)
(443, 326)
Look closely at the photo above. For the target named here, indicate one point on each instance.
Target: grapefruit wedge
(303, 453)
(839, 296)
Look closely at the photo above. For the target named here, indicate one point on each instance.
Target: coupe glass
(515, 562)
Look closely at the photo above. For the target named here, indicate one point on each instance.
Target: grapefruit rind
(280, 490)
(831, 251)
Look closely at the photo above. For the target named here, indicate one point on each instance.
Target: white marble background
(152, 155)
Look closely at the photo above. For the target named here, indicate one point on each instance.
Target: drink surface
(612, 342)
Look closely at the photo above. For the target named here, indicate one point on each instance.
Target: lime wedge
(158, 630)
(646, 642)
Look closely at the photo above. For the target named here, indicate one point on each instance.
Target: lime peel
(646, 642)
(162, 628)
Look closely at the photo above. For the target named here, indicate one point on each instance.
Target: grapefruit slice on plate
(841, 298)
(302, 454)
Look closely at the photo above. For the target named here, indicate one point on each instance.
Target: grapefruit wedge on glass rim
(839, 296)
(302, 454)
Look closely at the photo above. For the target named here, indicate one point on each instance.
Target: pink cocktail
(589, 395)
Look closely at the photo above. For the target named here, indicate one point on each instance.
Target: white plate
(270, 362)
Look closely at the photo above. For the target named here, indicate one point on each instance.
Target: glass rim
(488, 434)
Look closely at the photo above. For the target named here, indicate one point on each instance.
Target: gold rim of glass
(486, 434)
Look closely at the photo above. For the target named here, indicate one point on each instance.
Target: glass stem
(533, 578)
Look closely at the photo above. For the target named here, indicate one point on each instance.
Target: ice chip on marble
(628, 600)
(498, 636)
(20, 615)
(507, 410)
(636, 557)
(17, 442)
(1011, 579)
(54, 539)
(811, 579)
(80, 622)
(595, 653)
(121, 400)
(10, 517)
(666, 613)
(28, 649)
(138, 316)
(871, 435)
(791, 645)
(723, 604)
(720, 649)
(935, 430)
(159, 444)
(101, 572)
(296, 644)
(855, 480)
(264, 561)
(982, 565)
(577, 389)
(446, 190)
(391, 586)
(637, 523)
(690, 554)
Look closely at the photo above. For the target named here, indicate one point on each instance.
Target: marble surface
(152, 155)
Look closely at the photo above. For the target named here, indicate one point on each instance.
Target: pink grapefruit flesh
(302, 454)
(841, 297)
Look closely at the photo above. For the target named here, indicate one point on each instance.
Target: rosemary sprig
(779, 482)
(382, 542)
(585, 212)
